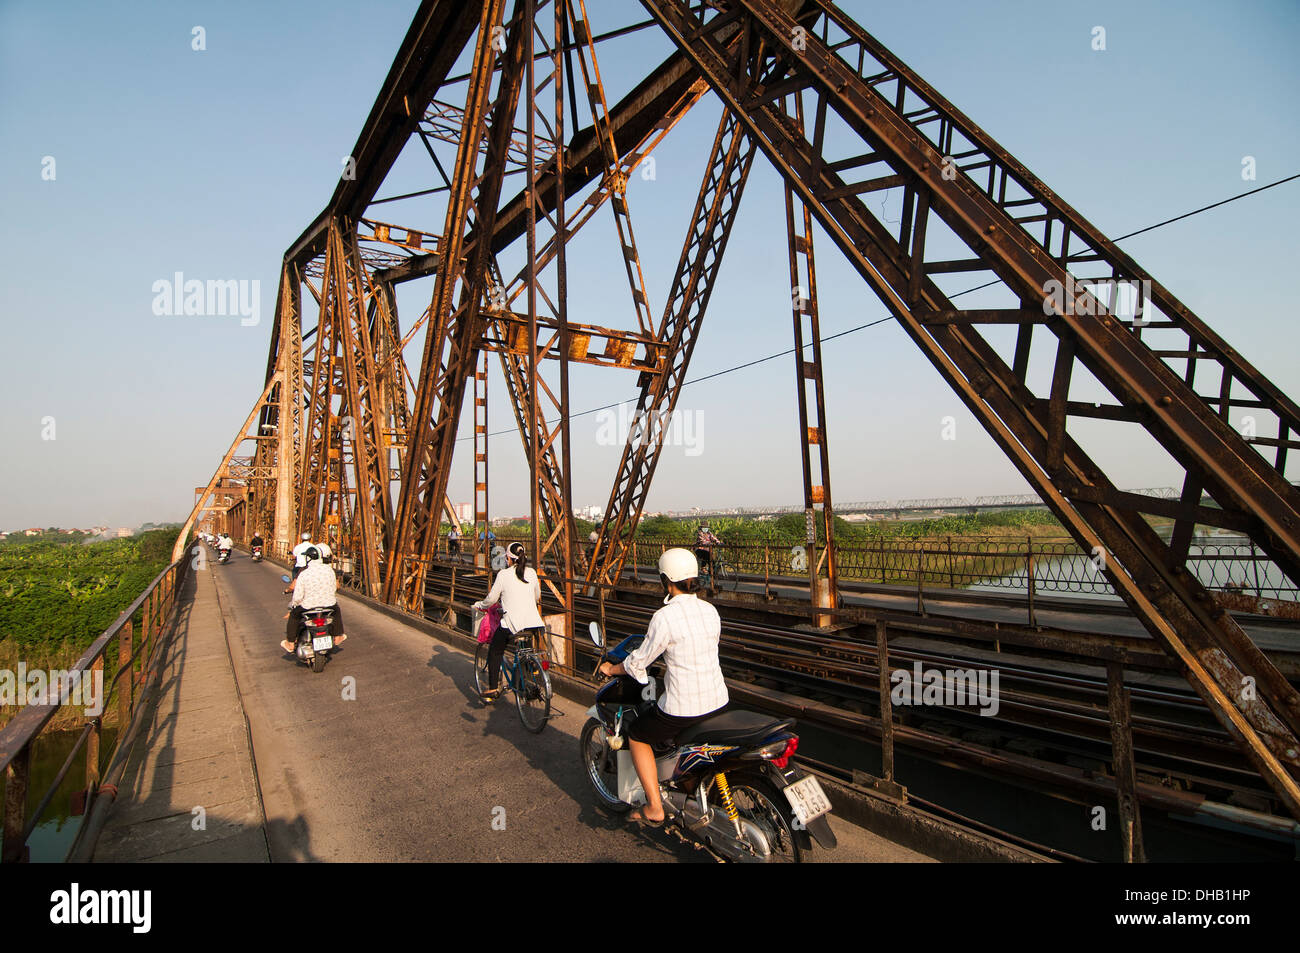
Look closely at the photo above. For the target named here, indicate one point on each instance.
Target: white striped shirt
(686, 633)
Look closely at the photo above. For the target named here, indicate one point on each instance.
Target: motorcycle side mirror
(286, 579)
(595, 635)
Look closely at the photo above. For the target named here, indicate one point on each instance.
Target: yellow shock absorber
(724, 791)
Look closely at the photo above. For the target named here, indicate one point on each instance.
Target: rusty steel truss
(353, 441)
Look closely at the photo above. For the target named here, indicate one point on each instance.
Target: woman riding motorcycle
(686, 633)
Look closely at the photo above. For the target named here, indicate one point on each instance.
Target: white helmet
(325, 551)
(679, 564)
(306, 536)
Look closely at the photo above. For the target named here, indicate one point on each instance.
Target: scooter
(314, 642)
(729, 786)
(223, 556)
(257, 554)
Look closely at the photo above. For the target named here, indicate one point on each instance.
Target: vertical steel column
(482, 551)
(17, 780)
(569, 567)
(822, 592)
(1121, 742)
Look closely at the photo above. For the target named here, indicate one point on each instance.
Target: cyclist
(520, 593)
(704, 543)
(453, 542)
(686, 633)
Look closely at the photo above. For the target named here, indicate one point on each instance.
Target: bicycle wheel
(533, 694)
(726, 576)
(480, 667)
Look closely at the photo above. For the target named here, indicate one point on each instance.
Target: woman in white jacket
(519, 592)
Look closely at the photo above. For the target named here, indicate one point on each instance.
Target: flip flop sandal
(642, 821)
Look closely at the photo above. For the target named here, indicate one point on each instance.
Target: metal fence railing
(124, 657)
(1231, 564)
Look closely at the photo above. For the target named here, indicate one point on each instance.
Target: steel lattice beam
(1218, 659)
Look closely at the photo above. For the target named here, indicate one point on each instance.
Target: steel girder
(706, 239)
(452, 337)
(814, 444)
(825, 55)
(766, 59)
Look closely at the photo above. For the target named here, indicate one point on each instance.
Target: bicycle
(525, 675)
(721, 573)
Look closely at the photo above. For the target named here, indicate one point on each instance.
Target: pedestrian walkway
(190, 789)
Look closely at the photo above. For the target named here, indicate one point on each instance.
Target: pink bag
(491, 620)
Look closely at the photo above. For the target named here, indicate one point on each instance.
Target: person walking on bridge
(519, 591)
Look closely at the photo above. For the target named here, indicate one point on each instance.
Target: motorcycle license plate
(807, 799)
(322, 643)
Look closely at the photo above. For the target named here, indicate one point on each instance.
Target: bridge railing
(1231, 565)
(128, 650)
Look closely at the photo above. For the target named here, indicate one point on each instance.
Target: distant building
(122, 531)
(464, 512)
(33, 532)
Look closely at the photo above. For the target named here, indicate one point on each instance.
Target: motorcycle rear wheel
(318, 662)
(759, 802)
(599, 767)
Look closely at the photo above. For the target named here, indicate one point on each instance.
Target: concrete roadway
(415, 768)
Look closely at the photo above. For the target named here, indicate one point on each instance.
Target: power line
(888, 318)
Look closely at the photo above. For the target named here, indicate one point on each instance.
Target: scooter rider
(224, 544)
(315, 588)
(686, 633)
(300, 557)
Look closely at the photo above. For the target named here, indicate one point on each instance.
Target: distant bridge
(937, 503)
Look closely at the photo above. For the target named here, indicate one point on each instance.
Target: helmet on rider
(680, 567)
(326, 554)
(311, 554)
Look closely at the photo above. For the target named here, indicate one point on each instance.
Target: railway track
(1052, 722)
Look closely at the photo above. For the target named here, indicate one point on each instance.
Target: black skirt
(660, 730)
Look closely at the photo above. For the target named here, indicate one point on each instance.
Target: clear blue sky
(210, 163)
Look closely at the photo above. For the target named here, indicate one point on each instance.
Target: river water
(52, 839)
(1218, 560)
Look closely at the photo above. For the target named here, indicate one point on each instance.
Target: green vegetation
(739, 531)
(746, 530)
(952, 550)
(55, 598)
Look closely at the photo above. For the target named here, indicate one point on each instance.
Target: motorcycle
(314, 642)
(729, 786)
(223, 556)
(257, 554)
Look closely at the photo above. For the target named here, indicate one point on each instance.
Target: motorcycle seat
(734, 728)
